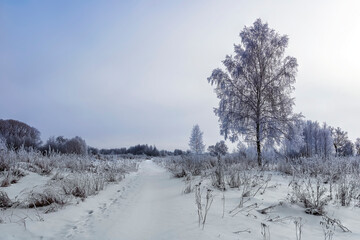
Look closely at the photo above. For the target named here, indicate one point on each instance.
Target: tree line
(15, 135)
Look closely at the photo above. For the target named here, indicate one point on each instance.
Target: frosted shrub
(251, 184)
(347, 190)
(76, 176)
(312, 194)
(5, 201)
(233, 179)
(217, 178)
(35, 199)
(219, 150)
(4, 162)
(82, 185)
(43, 166)
(11, 176)
(188, 185)
(113, 171)
(181, 166)
(195, 164)
(330, 169)
(285, 167)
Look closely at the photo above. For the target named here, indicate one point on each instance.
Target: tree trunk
(258, 145)
(259, 153)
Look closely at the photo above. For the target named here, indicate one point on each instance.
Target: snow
(149, 204)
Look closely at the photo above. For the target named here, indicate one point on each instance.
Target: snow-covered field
(150, 204)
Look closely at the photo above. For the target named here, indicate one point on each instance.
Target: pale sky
(122, 73)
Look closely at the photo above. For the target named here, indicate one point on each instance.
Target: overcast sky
(119, 74)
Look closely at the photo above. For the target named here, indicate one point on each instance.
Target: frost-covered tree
(218, 150)
(18, 134)
(255, 86)
(196, 140)
(178, 152)
(294, 140)
(75, 145)
(241, 149)
(317, 140)
(325, 141)
(310, 129)
(347, 149)
(340, 138)
(357, 146)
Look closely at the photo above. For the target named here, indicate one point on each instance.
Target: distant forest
(16, 135)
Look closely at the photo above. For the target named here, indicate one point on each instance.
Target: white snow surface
(149, 204)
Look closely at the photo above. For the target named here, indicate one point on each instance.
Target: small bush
(41, 199)
(5, 201)
(112, 172)
(12, 176)
(82, 185)
(188, 185)
(43, 167)
(180, 174)
(181, 166)
(233, 179)
(312, 194)
(5, 164)
(347, 190)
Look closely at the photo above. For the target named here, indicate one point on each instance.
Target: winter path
(150, 209)
(148, 204)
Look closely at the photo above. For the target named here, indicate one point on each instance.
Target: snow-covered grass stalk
(328, 228)
(298, 227)
(203, 210)
(251, 184)
(265, 231)
(209, 201)
(198, 203)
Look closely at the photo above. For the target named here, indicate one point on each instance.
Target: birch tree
(255, 86)
(196, 140)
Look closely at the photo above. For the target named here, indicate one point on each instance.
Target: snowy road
(148, 208)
